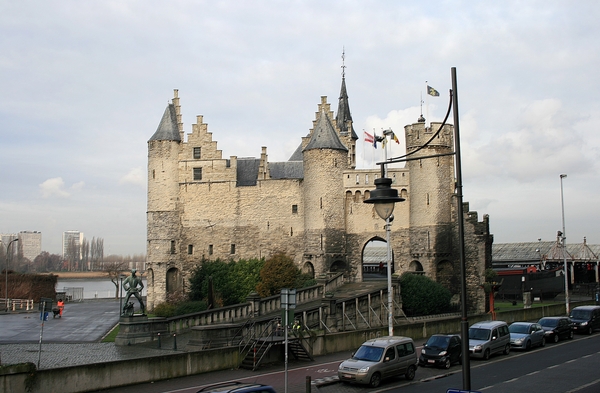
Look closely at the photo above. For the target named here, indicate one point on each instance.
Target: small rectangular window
(294, 209)
(210, 249)
(172, 246)
(190, 249)
(366, 179)
(232, 249)
(197, 173)
(196, 153)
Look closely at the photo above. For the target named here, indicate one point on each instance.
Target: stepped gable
(324, 135)
(168, 129)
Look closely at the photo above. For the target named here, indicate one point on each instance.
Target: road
(569, 366)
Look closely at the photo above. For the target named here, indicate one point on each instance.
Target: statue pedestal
(136, 329)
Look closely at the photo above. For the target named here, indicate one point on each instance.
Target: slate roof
(343, 112)
(324, 136)
(168, 129)
(287, 170)
(247, 171)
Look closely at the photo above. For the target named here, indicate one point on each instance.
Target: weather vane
(343, 60)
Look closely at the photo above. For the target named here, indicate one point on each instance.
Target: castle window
(210, 249)
(227, 163)
(197, 173)
(154, 174)
(357, 179)
(196, 153)
(294, 209)
(172, 246)
(367, 179)
(190, 249)
(232, 249)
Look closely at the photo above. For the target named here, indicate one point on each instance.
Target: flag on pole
(368, 137)
(395, 138)
(432, 92)
(384, 142)
(375, 140)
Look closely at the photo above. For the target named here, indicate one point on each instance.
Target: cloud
(54, 188)
(135, 176)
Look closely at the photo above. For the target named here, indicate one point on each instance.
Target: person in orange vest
(61, 306)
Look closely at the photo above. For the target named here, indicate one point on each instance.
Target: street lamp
(384, 198)
(384, 195)
(564, 245)
(6, 271)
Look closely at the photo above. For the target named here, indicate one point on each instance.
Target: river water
(93, 288)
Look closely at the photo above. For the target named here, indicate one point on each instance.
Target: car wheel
(375, 380)
(590, 330)
(528, 345)
(486, 354)
(410, 373)
(571, 334)
(555, 338)
(507, 349)
(447, 363)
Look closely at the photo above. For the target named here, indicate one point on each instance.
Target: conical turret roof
(167, 129)
(324, 135)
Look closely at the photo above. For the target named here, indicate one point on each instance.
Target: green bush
(165, 310)
(423, 296)
(190, 307)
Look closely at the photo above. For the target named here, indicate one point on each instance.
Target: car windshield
(371, 354)
(479, 334)
(440, 342)
(548, 322)
(580, 314)
(518, 328)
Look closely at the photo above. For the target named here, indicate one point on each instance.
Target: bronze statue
(133, 285)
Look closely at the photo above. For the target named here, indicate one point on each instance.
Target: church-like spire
(343, 111)
(168, 129)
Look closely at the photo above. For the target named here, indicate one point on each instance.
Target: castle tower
(163, 228)
(431, 199)
(325, 159)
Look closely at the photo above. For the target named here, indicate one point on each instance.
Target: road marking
(587, 385)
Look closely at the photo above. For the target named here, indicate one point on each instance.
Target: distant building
(71, 236)
(30, 244)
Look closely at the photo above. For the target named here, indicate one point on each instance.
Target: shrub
(423, 296)
(165, 310)
(190, 307)
(278, 272)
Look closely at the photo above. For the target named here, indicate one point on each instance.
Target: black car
(585, 319)
(441, 350)
(556, 328)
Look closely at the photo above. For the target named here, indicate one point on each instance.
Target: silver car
(378, 359)
(487, 338)
(526, 335)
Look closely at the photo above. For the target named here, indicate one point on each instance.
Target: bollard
(174, 342)
(158, 340)
(308, 384)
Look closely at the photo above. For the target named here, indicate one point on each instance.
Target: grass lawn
(500, 305)
(110, 337)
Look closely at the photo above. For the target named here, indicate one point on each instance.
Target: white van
(378, 359)
(487, 338)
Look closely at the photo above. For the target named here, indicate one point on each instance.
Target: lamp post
(384, 198)
(564, 245)
(121, 277)
(6, 271)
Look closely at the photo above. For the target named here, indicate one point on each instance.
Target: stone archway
(374, 259)
(337, 266)
(308, 268)
(173, 281)
(415, 266)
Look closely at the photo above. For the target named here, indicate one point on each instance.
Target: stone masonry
(201, 205)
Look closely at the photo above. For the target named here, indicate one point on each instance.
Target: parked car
(441, 350)
(487, 338)
(585, 319)
(237, 387)
(556, 328)
(526, 335)
(378, 359)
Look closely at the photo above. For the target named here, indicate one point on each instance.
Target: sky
(84, 84)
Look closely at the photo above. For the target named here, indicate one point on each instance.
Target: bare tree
(85, 254)
(113, 269)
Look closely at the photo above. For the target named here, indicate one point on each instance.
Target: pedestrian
(61, 306)
(380, 267)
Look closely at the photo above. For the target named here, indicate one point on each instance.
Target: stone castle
(309, 207)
